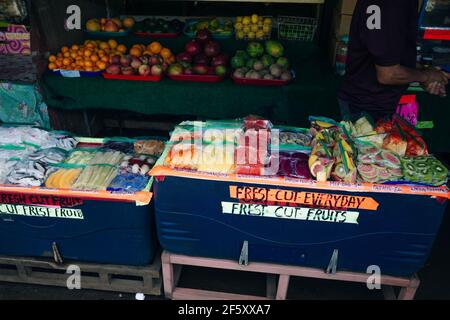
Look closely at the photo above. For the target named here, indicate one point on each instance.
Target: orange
(101, 65)
(94, 58)
(88, 63)
(80, 63)
(122, 48)
(165, 53)
(52, 66)
(73, 55)
(52, 58)
(154, 47)
(87, 53)
(101, 53)
(128, 22)
(64, 49)
(75, 47)
(112, 43)
(105, 59)
(104, 45)
(59, 55)
(136, 52)
(66, 54)
(67, 61)
(89, 69)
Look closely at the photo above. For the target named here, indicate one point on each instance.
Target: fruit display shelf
(313, 91)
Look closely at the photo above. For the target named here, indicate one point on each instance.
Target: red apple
(135, 63)
(144, 70)
(155, 60)
(115, 59)
(156, 70)
(127, 71)
(125, 61)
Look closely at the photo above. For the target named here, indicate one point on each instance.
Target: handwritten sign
(40, 212)
(41, 200)
(316, 199)
(295, 213)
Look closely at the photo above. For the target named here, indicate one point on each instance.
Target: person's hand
(436, 88)
(435, 75)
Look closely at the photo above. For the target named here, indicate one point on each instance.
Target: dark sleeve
(386, 44)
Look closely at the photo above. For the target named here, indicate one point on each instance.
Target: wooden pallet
(103, 277)
(278, 277)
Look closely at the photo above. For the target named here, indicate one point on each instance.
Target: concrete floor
(435, 282)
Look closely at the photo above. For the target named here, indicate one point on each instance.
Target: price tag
(425, 125)
(70, 73)
(409, 112)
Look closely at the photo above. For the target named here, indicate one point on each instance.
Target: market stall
(79, 199)
(342, 196)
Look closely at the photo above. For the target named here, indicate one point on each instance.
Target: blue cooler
(193, 218)
(78, 228)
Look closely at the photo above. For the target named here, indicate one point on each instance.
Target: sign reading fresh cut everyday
(314, 199)
(40, 212)
(295, 213)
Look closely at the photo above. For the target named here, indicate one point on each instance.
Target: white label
(41, 212)
(70, 73)
(295, 213)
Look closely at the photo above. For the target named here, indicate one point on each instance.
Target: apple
(155, 60)
(125, 61)
(127, 71)
(115, 59)
(156, 70)
(113, 69)
(135, 62)
(144, 70)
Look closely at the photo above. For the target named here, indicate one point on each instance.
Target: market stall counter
(79, 226)
(323, 207)
(78, 199)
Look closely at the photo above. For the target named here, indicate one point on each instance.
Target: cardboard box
(15, 39)
(346, 6)
(341, 24)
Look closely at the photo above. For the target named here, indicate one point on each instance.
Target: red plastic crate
(131, 78)
(197, 78)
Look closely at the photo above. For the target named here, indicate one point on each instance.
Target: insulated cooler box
(213, 218)
(88, 227)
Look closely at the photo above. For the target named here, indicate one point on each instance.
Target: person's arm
(400, 75)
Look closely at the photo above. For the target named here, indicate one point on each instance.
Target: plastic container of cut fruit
(131, 77)
(107, 34)
(77, 74)
(262, 82)
(157, 35)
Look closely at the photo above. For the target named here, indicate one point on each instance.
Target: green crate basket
(296, 28)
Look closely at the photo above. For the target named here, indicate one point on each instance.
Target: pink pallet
(172, 265)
